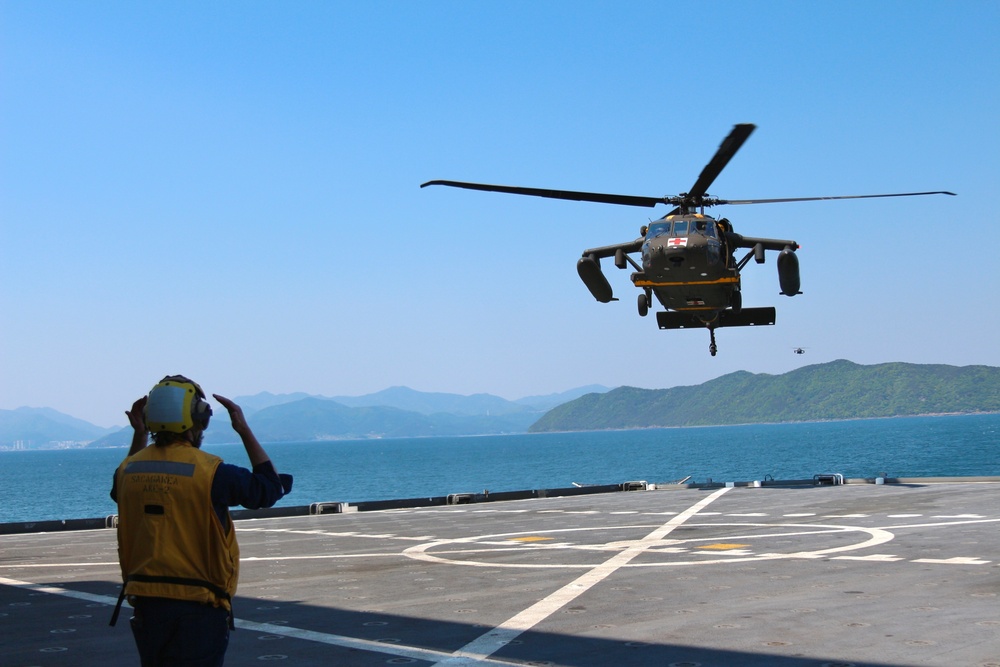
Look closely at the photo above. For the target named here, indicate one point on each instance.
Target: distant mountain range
(427, 403)
(835, 390)
(394, 412)
(33, 427)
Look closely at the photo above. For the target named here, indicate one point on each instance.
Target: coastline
(85, 445)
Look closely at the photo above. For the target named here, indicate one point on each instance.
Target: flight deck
(902, 573)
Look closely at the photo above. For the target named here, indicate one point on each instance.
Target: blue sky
(230, 190)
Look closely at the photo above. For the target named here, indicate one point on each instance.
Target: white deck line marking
(326, 533)
(479, 650)
(12, 566)
(958, 560)
(55, 590)
(941, 524)
(400, 650)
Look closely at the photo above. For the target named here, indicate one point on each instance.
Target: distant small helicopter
(688, 258)
(798, 350)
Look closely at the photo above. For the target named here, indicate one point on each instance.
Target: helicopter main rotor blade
(794, 199)
(624, 200)
(739, 134)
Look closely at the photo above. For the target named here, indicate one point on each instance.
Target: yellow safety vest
(171, 543)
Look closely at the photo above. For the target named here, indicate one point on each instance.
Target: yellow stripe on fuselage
(720, 281)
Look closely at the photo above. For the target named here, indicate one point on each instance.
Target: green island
(835, 390)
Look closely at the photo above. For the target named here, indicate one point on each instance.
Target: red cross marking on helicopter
(677, 243)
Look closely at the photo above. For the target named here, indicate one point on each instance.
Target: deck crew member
(176, 541)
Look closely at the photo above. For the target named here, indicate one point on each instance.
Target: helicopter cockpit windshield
(682, 228)
(706, 227)
(666, 228)
(657, 229)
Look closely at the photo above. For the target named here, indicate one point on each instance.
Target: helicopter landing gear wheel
(736, 301)
(643, 305)
(712, 347)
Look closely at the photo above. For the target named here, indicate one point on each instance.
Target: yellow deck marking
(501, 635)
(533, 538)
(723, 547)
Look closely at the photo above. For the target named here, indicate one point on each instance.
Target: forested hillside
(835, 390)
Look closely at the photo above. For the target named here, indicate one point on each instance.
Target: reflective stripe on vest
(171, 542)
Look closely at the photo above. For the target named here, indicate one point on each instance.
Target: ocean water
(73, 484)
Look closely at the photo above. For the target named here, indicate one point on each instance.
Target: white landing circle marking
(577, 543)
(495, 639)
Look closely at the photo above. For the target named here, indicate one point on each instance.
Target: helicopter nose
(672, 255)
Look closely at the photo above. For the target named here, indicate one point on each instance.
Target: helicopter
(688, 259)
(798, 350)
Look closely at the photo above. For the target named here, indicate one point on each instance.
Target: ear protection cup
(201, 412)
(176, 404)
